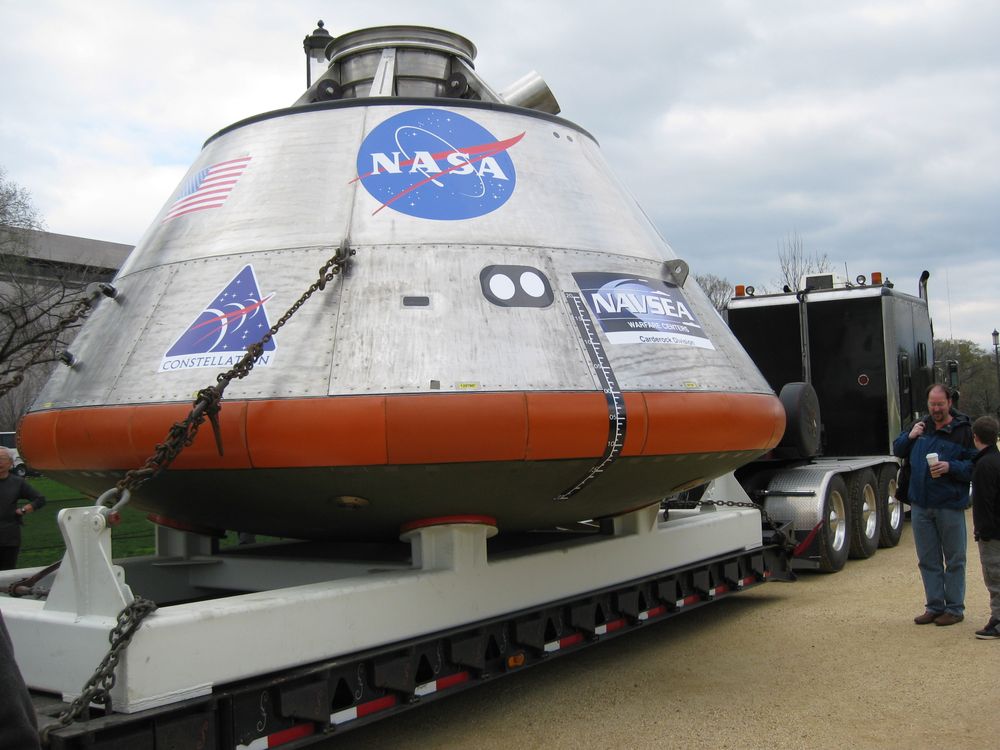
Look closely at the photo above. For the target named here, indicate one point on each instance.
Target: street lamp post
(315, 48)
(996, 353)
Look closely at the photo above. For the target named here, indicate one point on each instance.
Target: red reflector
(287, 735)
(378, 704)
(454, 679)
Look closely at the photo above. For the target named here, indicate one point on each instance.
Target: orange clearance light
(741, 290)
(876, 278)
(515, 660)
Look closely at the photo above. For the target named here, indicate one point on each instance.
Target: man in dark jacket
(986, 515)
(13, 489)
(18, 729)
(939, 449)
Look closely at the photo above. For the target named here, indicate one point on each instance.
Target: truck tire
(890, 509)
(802, 422)
(862, 493)
(833, 536)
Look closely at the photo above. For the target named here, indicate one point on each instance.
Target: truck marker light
(516, 660)
(741, 291)
(748, 581)
(688, 600)
(280, 738)
(876, 278)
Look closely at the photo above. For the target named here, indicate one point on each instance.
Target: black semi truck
(851, 362)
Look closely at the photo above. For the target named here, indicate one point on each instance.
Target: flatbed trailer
(229, 660)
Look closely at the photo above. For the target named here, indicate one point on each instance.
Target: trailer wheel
(833, 544)
(862, 493)
(889, 507)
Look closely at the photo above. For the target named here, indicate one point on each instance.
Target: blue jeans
(940, 538)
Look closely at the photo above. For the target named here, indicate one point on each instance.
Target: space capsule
(510, 338)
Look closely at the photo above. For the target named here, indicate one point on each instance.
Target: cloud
(870, 129)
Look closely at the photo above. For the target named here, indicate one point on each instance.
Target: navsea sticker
(435, 164)
(638, 310)
(220, 334)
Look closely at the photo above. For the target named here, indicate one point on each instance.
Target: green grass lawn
(42, 544)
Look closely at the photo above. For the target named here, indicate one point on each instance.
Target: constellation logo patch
(435, 164)
(219, 336)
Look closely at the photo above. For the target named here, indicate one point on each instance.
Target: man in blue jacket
(939, 497)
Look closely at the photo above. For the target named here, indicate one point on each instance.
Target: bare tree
(718, 290)
(796, 263)
(37, 302)
(16, 208)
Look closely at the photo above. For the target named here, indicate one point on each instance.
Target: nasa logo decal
(219, 336)
(434, 164)
(638, 310)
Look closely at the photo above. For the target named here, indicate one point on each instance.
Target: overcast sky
(870, 129)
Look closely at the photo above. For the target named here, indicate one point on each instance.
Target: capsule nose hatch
(409, 61)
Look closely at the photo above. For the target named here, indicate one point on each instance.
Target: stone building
(42, 272)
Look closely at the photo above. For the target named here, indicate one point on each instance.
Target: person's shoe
(948, 619)
(927, 617)
(991, 631)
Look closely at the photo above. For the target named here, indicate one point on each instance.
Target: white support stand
(321, 609)
(88, 583)
(457, 546)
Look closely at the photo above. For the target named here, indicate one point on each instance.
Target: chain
(78, 312)
(98, 687)
(206, 406)
(781, 535)
(207, 403)
(26, 586)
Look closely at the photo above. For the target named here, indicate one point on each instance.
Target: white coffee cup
(932, 458)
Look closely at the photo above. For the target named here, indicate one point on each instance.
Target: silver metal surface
(531, 92)
(383, 79)
(286, 232)
(812, 481)
(519, 198)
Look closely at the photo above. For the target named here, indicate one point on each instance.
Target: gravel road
(830, 661)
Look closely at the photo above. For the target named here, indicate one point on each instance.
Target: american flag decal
(209, 188)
